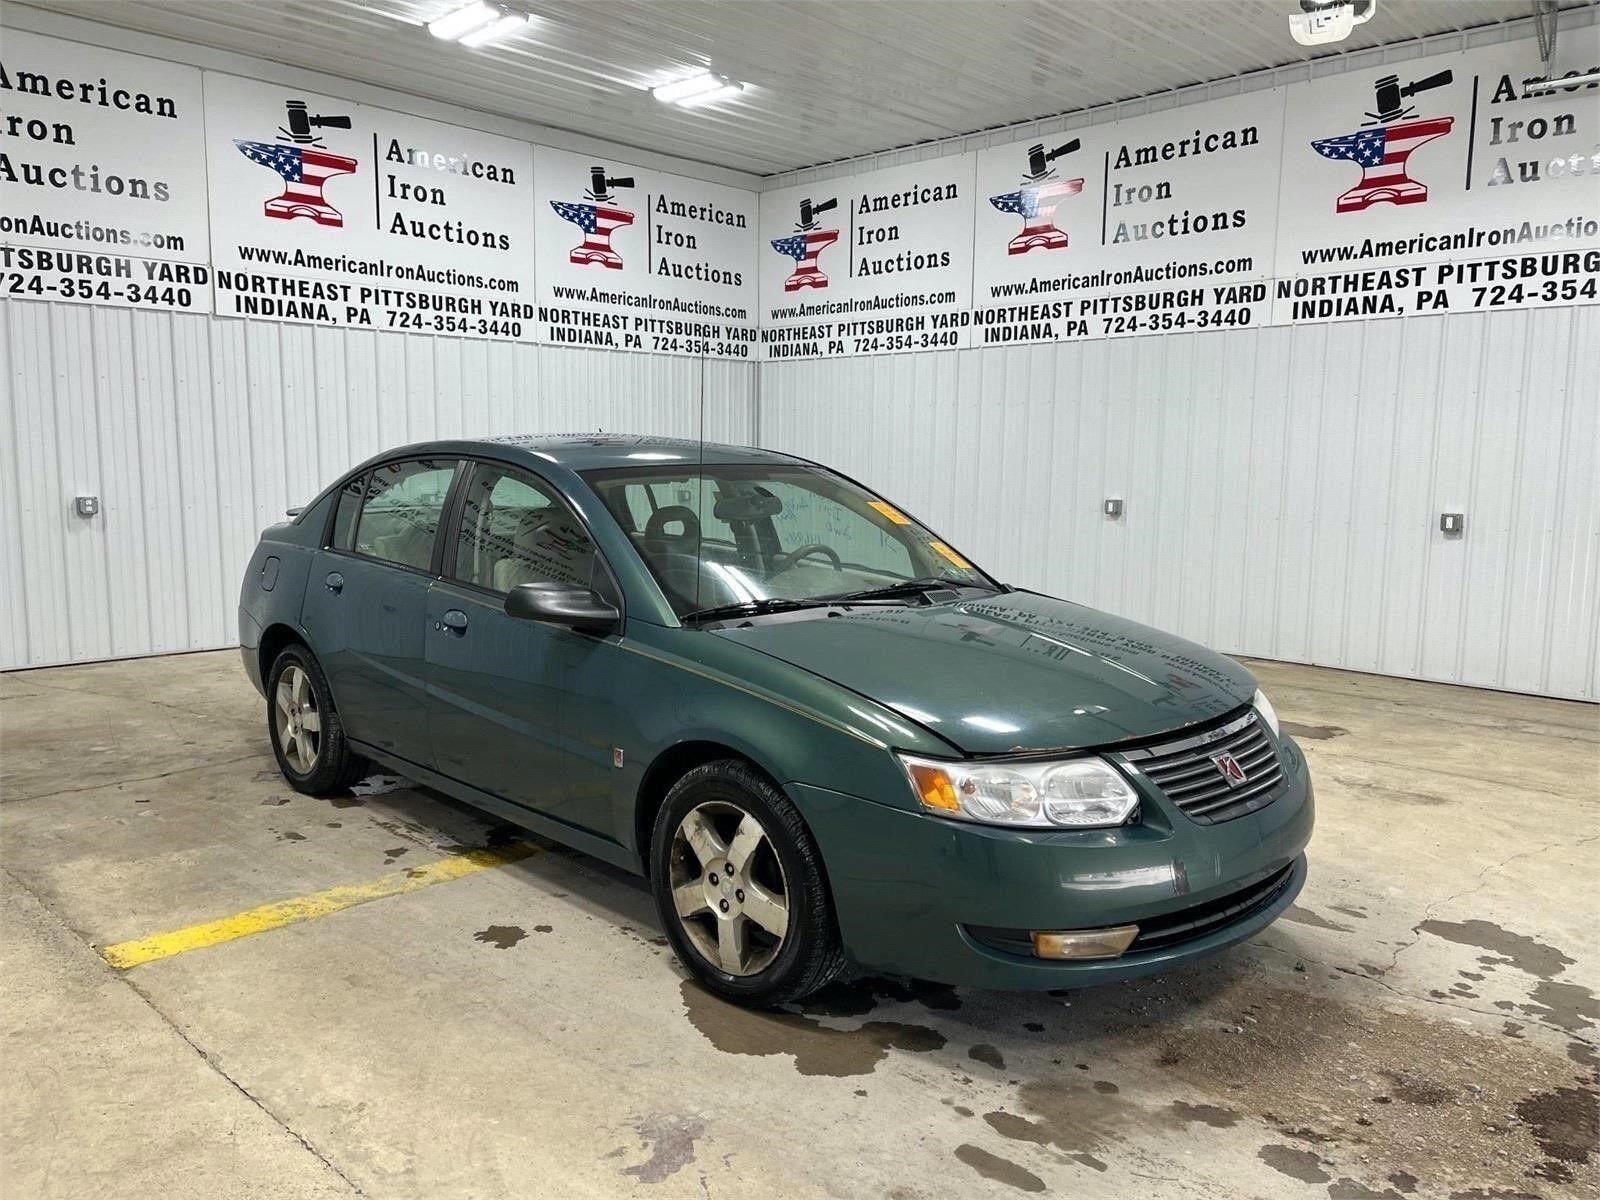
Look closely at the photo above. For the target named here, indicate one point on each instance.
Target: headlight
(1079, 793)
(1265, 711)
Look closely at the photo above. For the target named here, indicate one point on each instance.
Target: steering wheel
(656, 527)
(783, 561)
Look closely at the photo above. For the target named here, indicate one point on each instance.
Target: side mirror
(562, 604)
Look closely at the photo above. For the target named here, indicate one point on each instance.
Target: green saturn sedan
(830, 740)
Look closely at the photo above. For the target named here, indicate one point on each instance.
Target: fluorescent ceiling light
(509, 23)
(725, 92)
(692, 85)
(463, 20)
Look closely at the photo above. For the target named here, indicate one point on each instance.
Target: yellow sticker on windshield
(944, 551)
(890, 511)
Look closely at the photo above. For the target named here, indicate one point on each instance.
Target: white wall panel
(1282, 485)
(196, 432)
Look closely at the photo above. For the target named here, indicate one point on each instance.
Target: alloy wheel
(299, 721)
(728, 888)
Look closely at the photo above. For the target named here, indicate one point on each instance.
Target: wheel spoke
(299, 686)
(311, 720)
(766, 910)
(703, 839)
(690, 898)
(733, 944)
(285, 697)
(749, 836)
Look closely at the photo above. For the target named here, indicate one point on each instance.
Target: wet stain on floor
(1567, 1006)
(670, 1141)
(1304, 916)
(1206, 1114)
(816, 1048)
(1525, 953)
(1001, 1170)
(395, 852)
(1316, 733)
(501, 937)
(1296, 1164)
(988, 1055)
(1563, 1122)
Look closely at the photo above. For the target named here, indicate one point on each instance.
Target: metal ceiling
(828, 79)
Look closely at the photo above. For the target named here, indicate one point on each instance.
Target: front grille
(1187, 772)
(1190, 923)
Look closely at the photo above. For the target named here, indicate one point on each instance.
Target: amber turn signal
(1084, 943)
(934, 787)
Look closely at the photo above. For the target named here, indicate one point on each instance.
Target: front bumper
(910, 890)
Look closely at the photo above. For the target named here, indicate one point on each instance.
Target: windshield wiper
(753, 608)
(908, 587)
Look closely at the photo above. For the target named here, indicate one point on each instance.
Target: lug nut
(723, 905)
(738, 895)
(728, 867)
(713, 879)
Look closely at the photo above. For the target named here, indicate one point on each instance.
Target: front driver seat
(674, 555)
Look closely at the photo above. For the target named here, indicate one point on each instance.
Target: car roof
(591, 451)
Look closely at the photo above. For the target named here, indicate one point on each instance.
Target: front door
(497, 684)
(366, 603)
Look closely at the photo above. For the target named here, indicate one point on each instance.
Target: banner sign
(1436, 185)
(633, 259)
(102, 178)
(1155, 224)
(1440, 185)
(870, 264)
(342, 214)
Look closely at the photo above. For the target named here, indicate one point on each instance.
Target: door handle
(454, 621)
(335, 583)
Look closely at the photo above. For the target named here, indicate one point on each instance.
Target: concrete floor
(1421, 1025)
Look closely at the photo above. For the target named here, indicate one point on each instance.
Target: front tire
(307, 736)
(740, 888)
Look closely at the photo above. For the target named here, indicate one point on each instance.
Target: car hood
(1010, 673)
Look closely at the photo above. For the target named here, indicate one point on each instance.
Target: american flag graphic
(1381, 154)
(804, 248)
(304, 170)
(598, 223)
(1036, 205)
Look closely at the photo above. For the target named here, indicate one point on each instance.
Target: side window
(400, 519)
(344, 517)
(513, 531)
(809, 517)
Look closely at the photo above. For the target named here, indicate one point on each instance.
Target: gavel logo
(1039, 159)
(600, 184)
(809, 210)
(1389, 96)
(302, 122)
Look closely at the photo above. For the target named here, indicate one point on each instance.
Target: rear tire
(763, 933)
(307, 736)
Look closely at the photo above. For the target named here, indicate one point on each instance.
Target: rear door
(366, 602)
(496, 684)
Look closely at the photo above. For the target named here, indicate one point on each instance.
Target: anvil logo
(598, 219)
(1381, 152)
(806, 245)
(303, 165)
(1035, 201)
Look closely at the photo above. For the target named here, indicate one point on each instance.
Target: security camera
(1318, 24)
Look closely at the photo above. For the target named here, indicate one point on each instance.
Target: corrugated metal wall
(1282, 486)
(196, 432)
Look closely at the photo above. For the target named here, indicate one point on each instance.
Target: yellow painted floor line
(309, 907)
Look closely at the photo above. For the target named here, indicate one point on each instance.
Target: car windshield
(773, 535)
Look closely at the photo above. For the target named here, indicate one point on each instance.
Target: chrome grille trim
(1184, 773)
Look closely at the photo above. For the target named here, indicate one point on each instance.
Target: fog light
(1083, 943)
